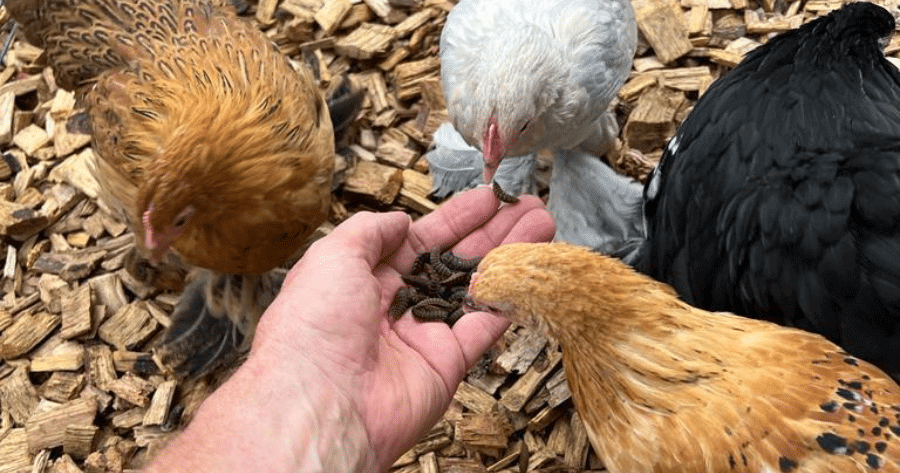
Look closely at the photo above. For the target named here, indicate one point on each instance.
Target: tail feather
(343, 106)
(595, 206)
(213, 323)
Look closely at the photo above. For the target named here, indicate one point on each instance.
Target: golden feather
(665, 387)
(191, 105)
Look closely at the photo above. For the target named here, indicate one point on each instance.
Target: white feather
(555, 64)
(593, 205)
(455, 166)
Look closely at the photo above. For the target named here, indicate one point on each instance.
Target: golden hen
(208, 141)
(665, 387)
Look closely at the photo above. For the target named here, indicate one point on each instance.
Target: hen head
(512, 90)
(213, 164)
(168, 202)
(545, 284)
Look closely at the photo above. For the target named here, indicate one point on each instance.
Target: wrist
(327, 429)
(263, 419)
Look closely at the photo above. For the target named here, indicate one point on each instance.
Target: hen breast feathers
(665, 387)
(191, 106)
(551, 67)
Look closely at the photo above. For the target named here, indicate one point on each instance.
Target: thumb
(372, 236)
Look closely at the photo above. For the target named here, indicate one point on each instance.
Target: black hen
(779, 197)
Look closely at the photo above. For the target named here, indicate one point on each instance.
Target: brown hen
(665, 387)
(208, 141)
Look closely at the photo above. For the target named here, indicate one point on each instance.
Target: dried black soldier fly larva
(502, 195)
(435, 287)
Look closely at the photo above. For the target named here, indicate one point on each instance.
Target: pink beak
(154, 241)
(493, 150)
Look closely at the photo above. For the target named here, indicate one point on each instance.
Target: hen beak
(157, 243)
(469, 305)
(492, 147)
(152, 242)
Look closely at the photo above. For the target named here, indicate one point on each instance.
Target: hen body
(666, 387)
(779, 196)
(525, 75)
(207, 139)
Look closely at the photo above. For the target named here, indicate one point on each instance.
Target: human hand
(400, 375)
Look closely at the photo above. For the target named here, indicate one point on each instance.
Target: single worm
(434, 302)
(429, 286)
(502, 196)
(420, 263)
(402, 301)
(455, 316)
(440, 268)
(457, 294)
(458, 264)
(429, 313)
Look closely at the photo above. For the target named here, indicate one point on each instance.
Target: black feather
(779, 197)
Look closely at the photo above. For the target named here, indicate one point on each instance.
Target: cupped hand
(332, 313)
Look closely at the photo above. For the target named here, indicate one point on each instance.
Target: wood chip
(488, 431)
(17, 396)
(381, 8)
(159, 406)
(47, 429)
(14, 455)
(475, 399)
(26, 332)
(62, 386)
(376, 181)
(662, 24)
(70, 266)
(20, 222)
(519, 393)
(366, 42)
(133, 389)
(79, 439)
(7, 110)
(76, 312)
(415, 190)
(650, 124)
(332, 14)
(68, 357)
(31, 139)
(129, 326)
(100, 366)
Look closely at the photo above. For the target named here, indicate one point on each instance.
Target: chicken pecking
(525, 75)
(208, 142)
(662, 386)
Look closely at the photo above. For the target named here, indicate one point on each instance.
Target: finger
(435, 343)
(370, 236)
(366, 236)
(536, 226)
(457, 222)
(454, 220)
(445, 226)
(476, 332)
(526, 221)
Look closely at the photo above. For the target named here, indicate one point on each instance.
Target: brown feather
(193, 106)
(665, 387)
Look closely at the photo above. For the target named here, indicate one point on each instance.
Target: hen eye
(524, 126)
(182, 218)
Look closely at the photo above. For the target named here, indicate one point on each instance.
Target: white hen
(525, 75)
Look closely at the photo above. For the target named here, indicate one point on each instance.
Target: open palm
(332, 313)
